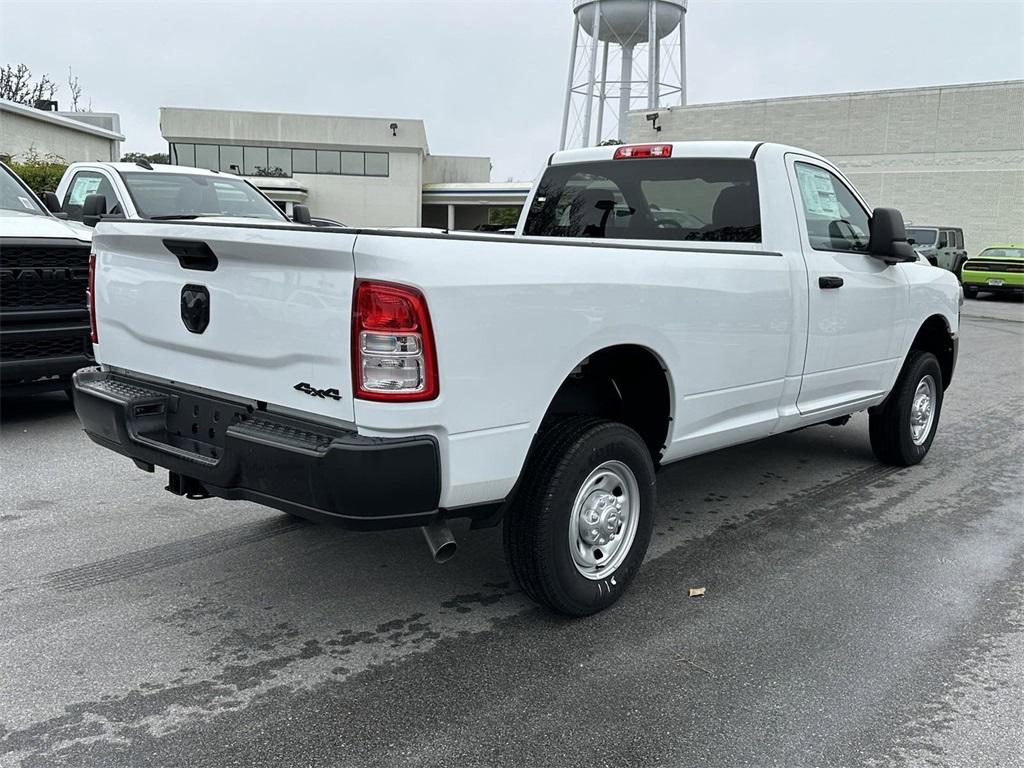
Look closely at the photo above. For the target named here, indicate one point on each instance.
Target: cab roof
(156, 167)
(736, 149)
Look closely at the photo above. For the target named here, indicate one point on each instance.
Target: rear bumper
(230, 449)
(1012, 282)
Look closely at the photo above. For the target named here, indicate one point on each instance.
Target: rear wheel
(903, 429)
(970, 292)
(580, 524)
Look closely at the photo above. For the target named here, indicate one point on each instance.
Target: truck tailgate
(278, 300)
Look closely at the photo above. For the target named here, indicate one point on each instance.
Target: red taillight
(631, 151)
(90, 299)
(392, 344)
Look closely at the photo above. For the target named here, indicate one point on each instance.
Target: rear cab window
(696, 199)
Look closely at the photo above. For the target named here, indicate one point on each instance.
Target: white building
(947, 155)
(70, 136)
(363, 171)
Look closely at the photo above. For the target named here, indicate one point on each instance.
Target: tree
(17, 84)
(161, 158)
(42, 173)
(276, 171)
(506, 216)
(76, 93)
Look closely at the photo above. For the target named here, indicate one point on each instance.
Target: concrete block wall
(950, 155)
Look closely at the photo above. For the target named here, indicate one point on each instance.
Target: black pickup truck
(44, 274)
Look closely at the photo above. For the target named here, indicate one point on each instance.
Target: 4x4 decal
(312, 391)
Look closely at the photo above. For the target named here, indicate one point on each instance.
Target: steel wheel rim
(922, 410)
(604, 520)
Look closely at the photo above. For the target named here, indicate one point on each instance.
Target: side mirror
(51, 202)
(300, 215)
(888, 239)
(92, 209)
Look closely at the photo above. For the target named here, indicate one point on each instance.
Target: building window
(352, 163)
(377, 164)
(328, 161)
(208, 156)
(304, 161)
(231, 159)
(255, 161)
(279, 161)
(183, 154)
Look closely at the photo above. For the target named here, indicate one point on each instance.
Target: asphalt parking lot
(855, 614)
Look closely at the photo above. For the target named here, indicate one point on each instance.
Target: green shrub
(40, 172)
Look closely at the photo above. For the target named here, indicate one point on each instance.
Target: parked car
(942, 246)
(44, 266)
(539, 380)
(89, 191)
(997, 269)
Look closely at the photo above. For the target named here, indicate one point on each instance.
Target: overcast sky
(486, 76)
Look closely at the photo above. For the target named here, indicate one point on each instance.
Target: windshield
(649, 199)
(179, 195)
(14, 197)
(923, 236)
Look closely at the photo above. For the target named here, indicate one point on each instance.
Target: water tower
(645, 40)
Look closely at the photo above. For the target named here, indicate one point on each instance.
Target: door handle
(830, 281)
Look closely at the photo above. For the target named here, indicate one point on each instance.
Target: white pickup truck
(657, 302)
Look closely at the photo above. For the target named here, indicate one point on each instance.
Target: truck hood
(19, 224)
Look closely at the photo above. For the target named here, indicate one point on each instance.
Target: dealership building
(947, 155)
(363, 171)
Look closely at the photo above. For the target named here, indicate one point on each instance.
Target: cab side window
(87, 183)
(836, 221)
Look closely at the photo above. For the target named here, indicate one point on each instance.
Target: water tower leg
(682, 59)
(625, 89)
(652, 54)
(568, 84)
(589, 109)
(603, 93)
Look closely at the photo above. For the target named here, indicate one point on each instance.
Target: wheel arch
(628, 383)
(935, 335)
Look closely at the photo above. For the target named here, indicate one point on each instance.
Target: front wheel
(903, 428)
(580, 524)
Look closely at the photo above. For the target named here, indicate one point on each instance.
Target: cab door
(857, 304)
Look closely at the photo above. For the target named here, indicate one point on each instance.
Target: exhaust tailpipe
(440, 540)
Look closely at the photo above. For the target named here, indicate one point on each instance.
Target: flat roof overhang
(477, 193)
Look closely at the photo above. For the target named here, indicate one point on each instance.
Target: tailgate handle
(193, 254)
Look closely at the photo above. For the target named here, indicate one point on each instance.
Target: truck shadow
(277, 566)
(17, 408)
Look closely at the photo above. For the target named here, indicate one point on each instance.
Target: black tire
(537, 524)
(970, 292)
(890, 425)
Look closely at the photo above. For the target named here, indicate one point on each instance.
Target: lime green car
(999, 269)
